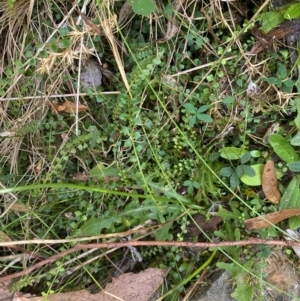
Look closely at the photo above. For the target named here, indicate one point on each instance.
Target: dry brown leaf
(200, 223)
(68, 107)
(270, 184)
(172, 28)
(81, 176)
(257, 223)
(124, 13)
(19, 207)
(56, 107)
(71, 107)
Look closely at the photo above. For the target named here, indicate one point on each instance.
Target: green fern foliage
(28, 128)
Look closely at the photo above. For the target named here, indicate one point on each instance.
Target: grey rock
(220, 289)
(91, 77)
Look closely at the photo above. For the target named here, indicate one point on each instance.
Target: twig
(202, 66)
(250, 241)
(38, 265)
(59, 95)
(186, 244)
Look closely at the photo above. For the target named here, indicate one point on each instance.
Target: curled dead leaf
(68, 107)
(172, 28)
(267, 220)
(124, 13)
(81, 176)
(270, 183)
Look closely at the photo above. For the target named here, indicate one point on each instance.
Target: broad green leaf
(156, 61)
(232, 268)
(297, 119)
(297, 81)
(294, 166)
(287, 85)
(134, 213)
(226, 171)
(229, 215)
(273, 81)
(94, 138)
(63, 31)
(101, 172)
(255, 154)
(239, 171)
(249, 171)
(94, 225)
(169, 9)
(190, 108)
(228, 100)
(271, 19)
(281, 71)
(199, 42)
(245, 158)
(234, 180)
(256, 179)
(187, 183)
(164, 232)
(293, 11)
(220, 234)
(203, 109)
(196, 184)
(142, 7)
(296, 139)
(233, 153)
(204, 117)
(244, 291)
(65, 43)
(294, 222)
(189, 36)
(290, 198)
(192, 121)
(282, 148)
(54, 47)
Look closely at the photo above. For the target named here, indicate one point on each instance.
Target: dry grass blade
(108, 21)
(30, 9)
(90, 23)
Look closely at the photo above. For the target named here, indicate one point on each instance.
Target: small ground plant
(175, 135)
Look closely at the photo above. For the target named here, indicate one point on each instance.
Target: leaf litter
(270, 183)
